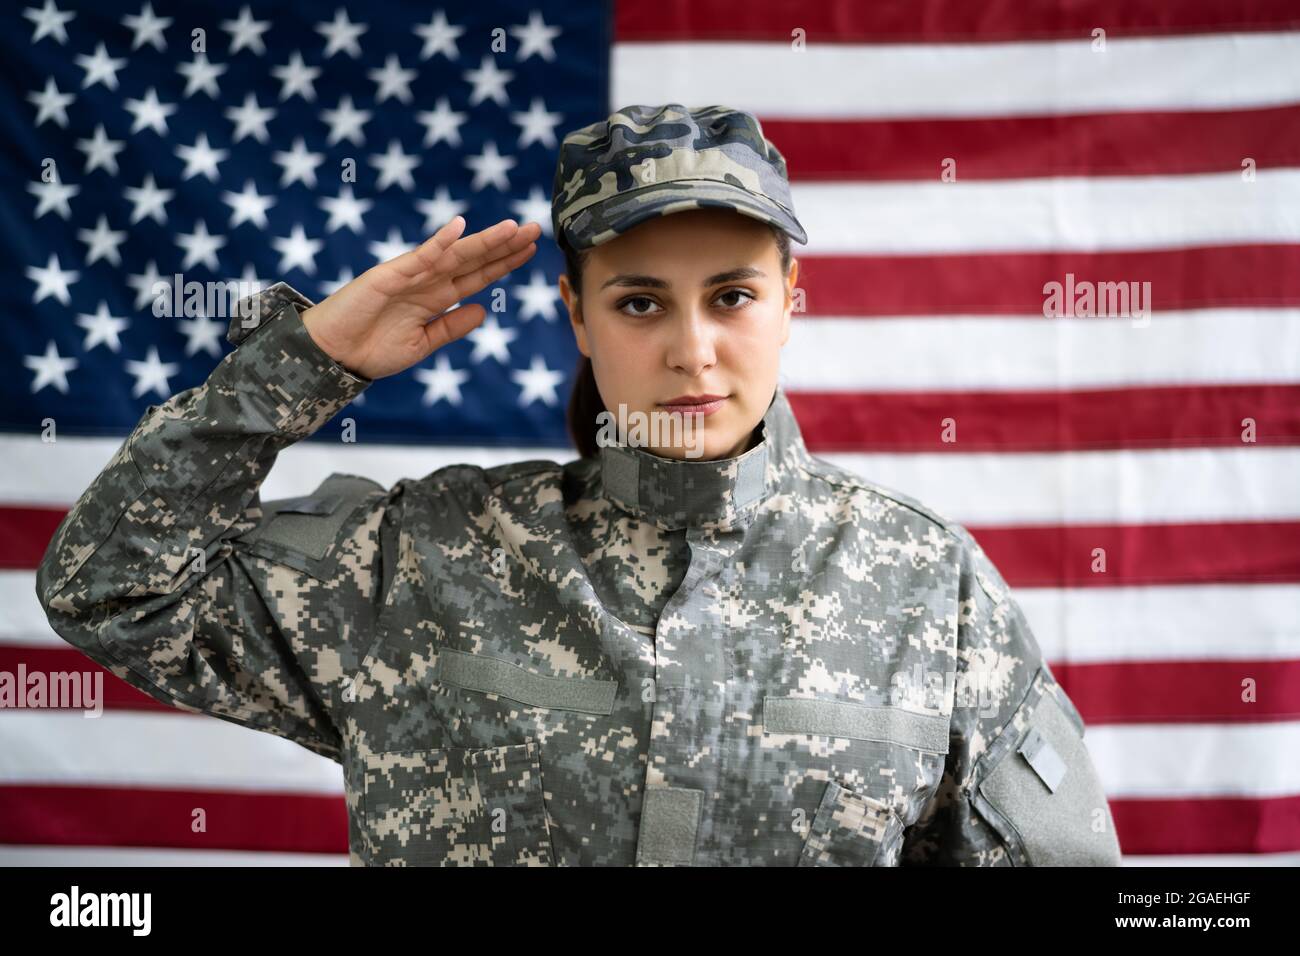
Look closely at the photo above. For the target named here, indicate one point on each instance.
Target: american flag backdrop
(1135, 477)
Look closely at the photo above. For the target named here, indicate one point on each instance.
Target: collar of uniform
(675, 493)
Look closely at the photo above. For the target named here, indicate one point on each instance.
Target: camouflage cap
(646, 161)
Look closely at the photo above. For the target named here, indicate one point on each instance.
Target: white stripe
(150, 856)
(1212, 71)
(171, 750)
(55, 474)
(940, 353)
(1196, 760)
(1048, 214)
(1252, 483)
(1195, 484)
(1072, 625)
(125, 748)
(1194, 622)
(1215, 859)
(23, 621)
(133, 856)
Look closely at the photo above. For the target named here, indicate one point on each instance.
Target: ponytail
(585, 404)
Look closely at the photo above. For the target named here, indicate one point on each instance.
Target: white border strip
(1203, 72)
(1215, 859)
(947, 353)
(1049, 214)
(131, 856)
(170, 750)
(1071, 625)
(147, 749)
(1206, 622)
(15, 855)
(55, 474)
(1251, 483)
(1196, 760)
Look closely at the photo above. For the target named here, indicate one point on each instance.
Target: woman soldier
(645, 656)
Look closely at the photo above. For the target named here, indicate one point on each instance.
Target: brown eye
(744, 298)
(644, 305)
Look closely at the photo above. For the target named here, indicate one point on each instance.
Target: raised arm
(169, 570)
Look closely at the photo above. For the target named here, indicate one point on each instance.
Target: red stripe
(117, 693)
(1211, 825)
(936, 21)
(1153, 143)
(1241, 552)
(1172, 692)
(131, 816)
(1248, 276)
(291, 823)
(1028, 421)
(25, 533)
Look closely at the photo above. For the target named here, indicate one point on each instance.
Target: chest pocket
(851, 827)
(482, 802)
(457, 807)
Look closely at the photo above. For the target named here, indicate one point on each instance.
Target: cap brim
(606, 220)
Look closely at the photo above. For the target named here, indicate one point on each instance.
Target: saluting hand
(393, 315)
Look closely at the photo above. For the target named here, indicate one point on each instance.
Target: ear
(791, 283)
(571, 302)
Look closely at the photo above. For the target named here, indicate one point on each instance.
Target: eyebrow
(654, 282)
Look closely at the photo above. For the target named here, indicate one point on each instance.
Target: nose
(691, 349)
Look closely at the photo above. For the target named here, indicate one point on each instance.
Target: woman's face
(687, 304)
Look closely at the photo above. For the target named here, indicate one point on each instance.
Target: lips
(691, 400)
(706, 404)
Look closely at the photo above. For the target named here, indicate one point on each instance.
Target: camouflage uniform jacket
(622, 660)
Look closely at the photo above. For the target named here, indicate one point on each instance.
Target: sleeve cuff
(285, 372)
(261, 308)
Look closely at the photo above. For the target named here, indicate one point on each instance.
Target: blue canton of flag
(193, 140)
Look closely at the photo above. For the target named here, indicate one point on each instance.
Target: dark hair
(585, 403)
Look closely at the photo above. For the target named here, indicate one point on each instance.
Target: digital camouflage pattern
(646, 161)
(621, 660)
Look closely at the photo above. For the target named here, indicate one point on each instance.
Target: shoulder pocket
(303, 532)
(1041, 792)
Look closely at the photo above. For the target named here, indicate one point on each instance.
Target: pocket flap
(842, 718)
(491, 676)
(301, 531)
(306, 505)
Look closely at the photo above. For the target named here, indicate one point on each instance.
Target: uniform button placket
(683, 680)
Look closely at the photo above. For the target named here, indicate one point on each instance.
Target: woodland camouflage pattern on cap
(646, 161)
(622, 660)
